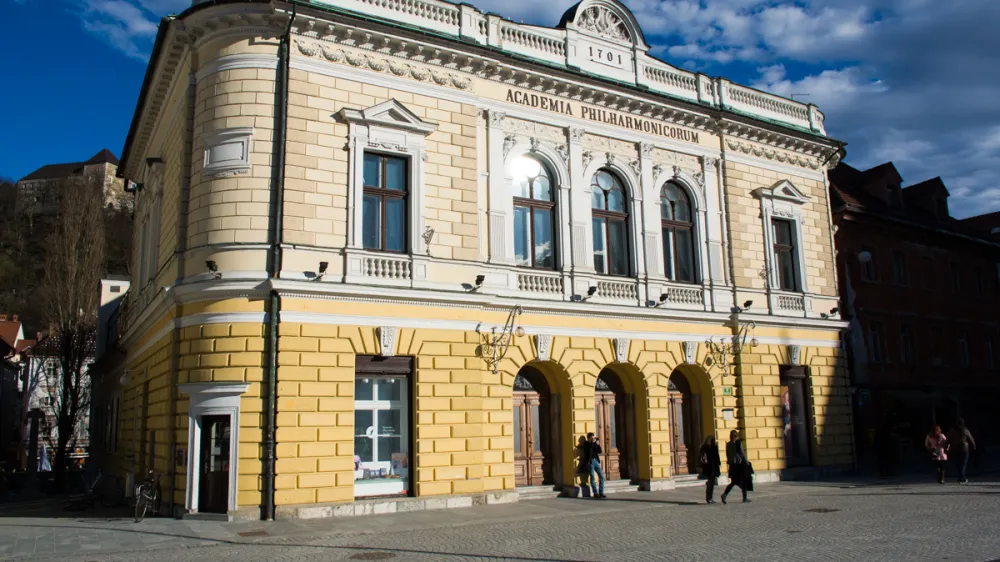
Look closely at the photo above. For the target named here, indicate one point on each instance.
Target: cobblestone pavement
(787, 521)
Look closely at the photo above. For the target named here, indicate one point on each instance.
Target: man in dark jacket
(962, 444)
(590, 457)
(739, 466)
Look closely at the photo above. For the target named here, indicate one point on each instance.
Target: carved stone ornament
(563, 151)
(603, 22)
(508, 144)
(543, 343)
(700, 178)
(535, 144)
(636, 167)
(646, 149)
(690, 351)
(587, 157)
(677, 171)
(621, 350)
(576, 135)
(387, 340)
(496, 118)
(657, 170)
(794, 355)
(611, 158)
(709, 162)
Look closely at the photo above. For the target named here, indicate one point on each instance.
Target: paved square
(786, 521)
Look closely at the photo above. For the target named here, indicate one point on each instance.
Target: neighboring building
(39, 189)
(443, 167)
(922, 292)
(105, 370)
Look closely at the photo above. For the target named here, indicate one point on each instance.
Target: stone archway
(690, 400)
(540, 426)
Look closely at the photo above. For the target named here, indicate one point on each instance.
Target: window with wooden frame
(676, 220)
(785, 254)
(899, 274)
(609, 206)
(905, 344)
(384, 222)
(876, 342)
(534, 214)
(963, 348)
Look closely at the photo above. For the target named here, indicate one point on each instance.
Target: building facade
(40, 191)
(412, 250)
(922, 292)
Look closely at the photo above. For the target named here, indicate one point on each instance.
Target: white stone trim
(227, 151)
(387, 128)
(387, 340)
(209, 399)
(783, 201)
(543, 346)
(553, 331)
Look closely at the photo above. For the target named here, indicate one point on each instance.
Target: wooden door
(679, 444)
(531, 439)
(795, 417)
(612, 428)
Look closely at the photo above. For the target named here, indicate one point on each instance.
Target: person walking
(739, 466)
(937, 445)
(711, 466)
(591, 458)
(962, 442)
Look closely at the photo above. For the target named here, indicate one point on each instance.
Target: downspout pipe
(274, 268)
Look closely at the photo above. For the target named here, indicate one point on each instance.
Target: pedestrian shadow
(639, 500)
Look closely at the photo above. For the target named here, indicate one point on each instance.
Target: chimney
(3, 317)
(14, 318)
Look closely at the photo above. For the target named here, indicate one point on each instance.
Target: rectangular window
(899, 274)
(905, 344)
(936, 341)
(785, 254)
(382, 426)
(384, 207)
(876, 337)
(928, 273)
(980, 282)
(990, 359)
(963, 348)
(956, 278)
(868, 270)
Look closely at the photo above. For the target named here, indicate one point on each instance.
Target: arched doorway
(685, 425)
(536, 424)
(614, 411)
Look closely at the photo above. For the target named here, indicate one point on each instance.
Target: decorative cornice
(752, 149)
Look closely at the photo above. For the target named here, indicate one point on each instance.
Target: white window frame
(783, 201)
(698, 210)
(502, 204)
(375, 406)
(391, 129)
(212, 399)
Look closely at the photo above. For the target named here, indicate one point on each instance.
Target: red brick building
(922, 292)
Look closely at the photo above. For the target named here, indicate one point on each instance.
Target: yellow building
(403, 254)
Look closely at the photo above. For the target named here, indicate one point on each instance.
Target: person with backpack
(962, 445)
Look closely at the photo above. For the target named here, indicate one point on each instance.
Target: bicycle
(103, 489)
(147, 496)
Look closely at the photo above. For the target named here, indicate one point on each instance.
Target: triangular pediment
(783, 190)
(390, 114)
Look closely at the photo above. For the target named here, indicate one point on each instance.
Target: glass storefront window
(381, 436)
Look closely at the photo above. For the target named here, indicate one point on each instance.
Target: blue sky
(912, 81)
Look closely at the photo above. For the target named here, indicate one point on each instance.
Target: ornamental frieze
(377, 63)
(598, 143)
(534, 130)
(758, 151)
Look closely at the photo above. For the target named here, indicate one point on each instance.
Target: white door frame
(212, 399)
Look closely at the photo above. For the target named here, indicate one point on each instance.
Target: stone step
(687, 481)
(536, 493)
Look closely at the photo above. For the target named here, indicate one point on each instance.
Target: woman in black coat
(739, 466)
(711, 466)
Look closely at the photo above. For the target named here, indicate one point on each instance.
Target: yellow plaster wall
(747, 235)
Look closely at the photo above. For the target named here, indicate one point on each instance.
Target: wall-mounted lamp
(590, 292)
(213, 268)
(495, 345)
(323, 265)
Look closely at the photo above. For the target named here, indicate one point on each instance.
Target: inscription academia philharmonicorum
(601, 115)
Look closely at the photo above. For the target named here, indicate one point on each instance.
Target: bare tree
(74, 265)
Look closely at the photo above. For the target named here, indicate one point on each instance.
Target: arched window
(534, 214)
(610, 211)
(678, 234)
